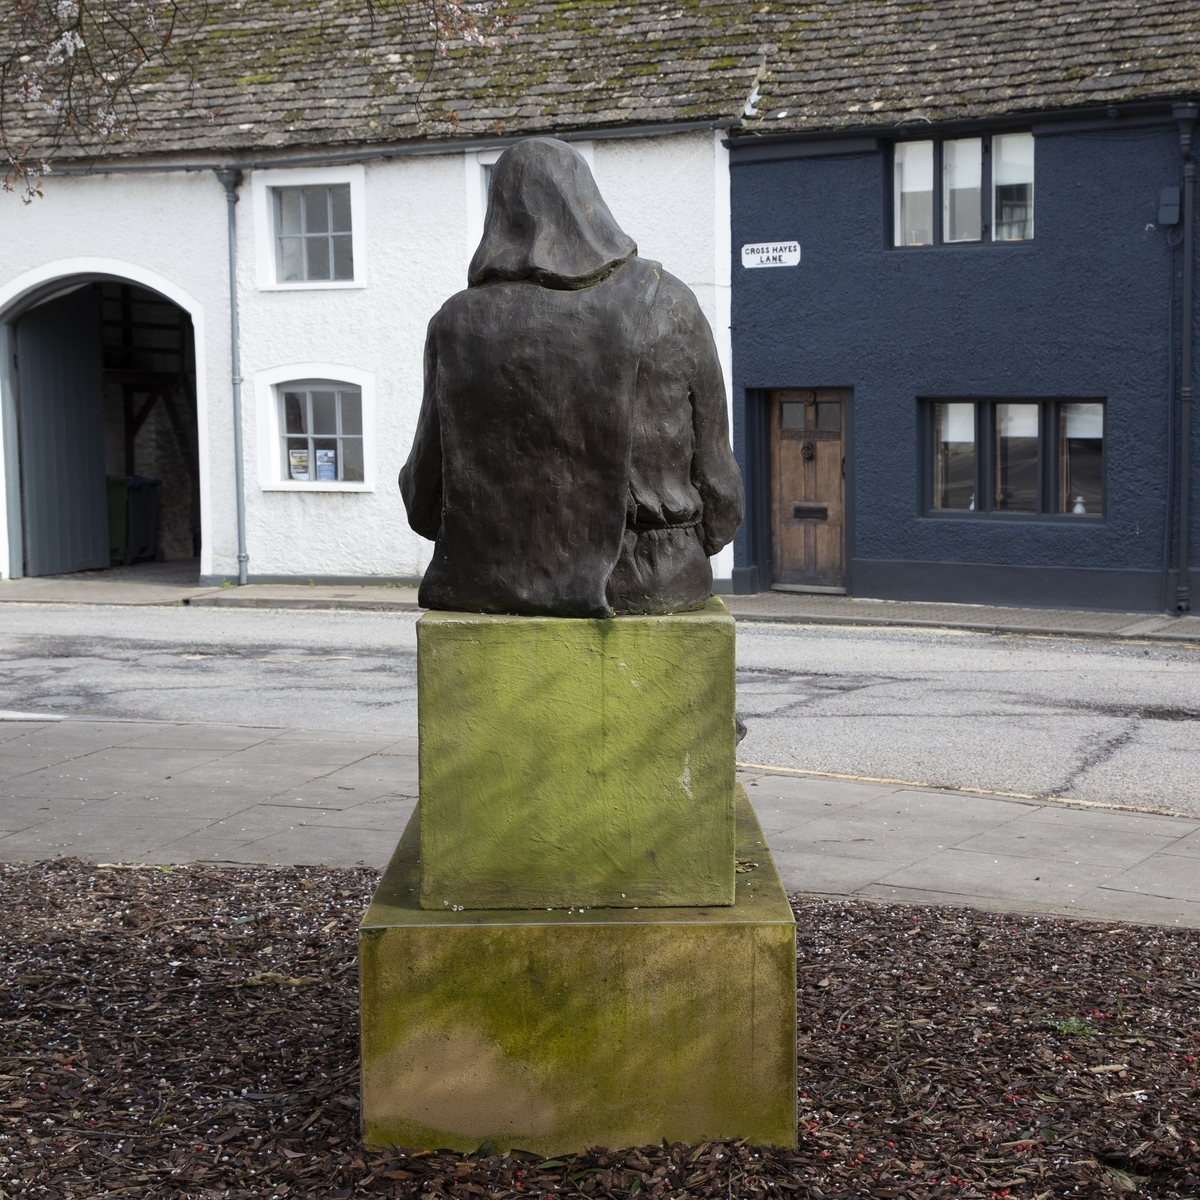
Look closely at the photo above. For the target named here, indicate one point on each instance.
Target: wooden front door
(808, 489)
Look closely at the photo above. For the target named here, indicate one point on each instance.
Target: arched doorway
(103, 387)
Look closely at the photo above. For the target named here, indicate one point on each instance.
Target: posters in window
(326, 466)
(298, 463)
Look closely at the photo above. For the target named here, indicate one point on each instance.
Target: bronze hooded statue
(572, 453)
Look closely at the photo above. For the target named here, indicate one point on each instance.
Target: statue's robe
(572, 453)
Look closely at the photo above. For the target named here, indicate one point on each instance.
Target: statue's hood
(546, 221)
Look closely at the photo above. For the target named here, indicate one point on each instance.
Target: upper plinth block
(576, 762)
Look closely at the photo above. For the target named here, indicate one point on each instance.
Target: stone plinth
(576, 762)
(552, 1031)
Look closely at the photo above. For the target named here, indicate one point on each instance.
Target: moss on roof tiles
(303, 73)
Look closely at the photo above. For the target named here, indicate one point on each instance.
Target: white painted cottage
(359, 172)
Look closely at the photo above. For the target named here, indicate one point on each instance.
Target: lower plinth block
(555, 1031)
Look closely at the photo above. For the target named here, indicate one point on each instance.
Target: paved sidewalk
(177, 583)
(116, 791)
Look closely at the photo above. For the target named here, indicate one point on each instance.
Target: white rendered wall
(422, 219)
(417, 256)
(164, 230)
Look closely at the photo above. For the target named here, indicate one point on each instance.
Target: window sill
(281, 486)
(1005, 243)
(1080, 519)
(314, 285)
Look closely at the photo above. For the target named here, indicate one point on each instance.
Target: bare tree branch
(70, 70)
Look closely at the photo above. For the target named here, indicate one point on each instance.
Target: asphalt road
(1114, 722)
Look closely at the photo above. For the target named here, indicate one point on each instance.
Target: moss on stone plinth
(576, 762)
(554, 1031)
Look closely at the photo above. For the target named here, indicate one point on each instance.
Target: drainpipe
(1186, 115)
(231, 177)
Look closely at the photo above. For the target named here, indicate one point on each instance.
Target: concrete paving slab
(13, 766)
(1167, 875)
(802, 608)
(803, 870)
(835, 836)
(14, 729)
(321, 755)
(263, 820)
(376, 775)
(372, 597)
(814, 790)
(389, 742)
(320, 796)
(166, 800)
(78, 737)
(868, 838)
(328, 846)
(222, 738)
(90, 835)
(1058, 842)
(1091, 905)
(1186, 847)
(1141, 824)
(263, 780)
(1000, 877)
(134, 762)
(20, 812)
(61, 783)
(387, 816)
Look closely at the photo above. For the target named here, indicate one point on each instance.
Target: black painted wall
(1082, 310)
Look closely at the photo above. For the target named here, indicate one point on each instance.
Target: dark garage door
(61, 414)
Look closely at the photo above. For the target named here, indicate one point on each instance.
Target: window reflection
(1012, 187)
(962, 175)
(954, 456)
(913, 218)
(1081, 459)
(1017, 457)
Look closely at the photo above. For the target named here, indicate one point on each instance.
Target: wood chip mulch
(191, 1032)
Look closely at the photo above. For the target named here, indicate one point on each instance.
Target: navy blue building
(970, 384)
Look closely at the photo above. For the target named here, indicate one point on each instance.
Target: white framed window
(310, 228)
(316, 428)
(320, 431)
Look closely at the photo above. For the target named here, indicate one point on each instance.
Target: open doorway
(107, 430)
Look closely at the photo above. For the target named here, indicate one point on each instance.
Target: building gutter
(757, 142)
(413, 149)
(231, 178)
(1186, 115)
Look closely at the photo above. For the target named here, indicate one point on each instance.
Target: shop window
(313, 233)
(984, 190)
(1019, 457)
(321, 432)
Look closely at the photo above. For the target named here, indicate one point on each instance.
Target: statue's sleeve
(421, 476)
(715, 471)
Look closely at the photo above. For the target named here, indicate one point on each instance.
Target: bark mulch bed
(191, 1032)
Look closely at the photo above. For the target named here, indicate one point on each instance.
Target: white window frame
(267, 390)
(266, 260)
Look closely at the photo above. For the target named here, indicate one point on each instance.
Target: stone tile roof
(257, 75)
